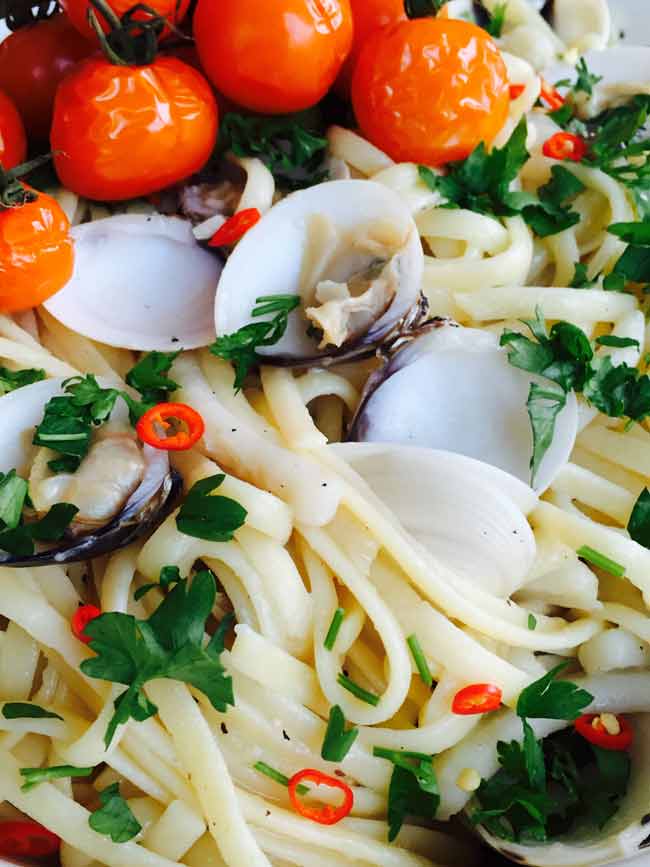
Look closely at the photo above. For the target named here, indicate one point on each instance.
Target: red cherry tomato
(36, 253)
(477, 698)
(124, 131)
(157, 418)
(13, 144)
(325, 815)
(565, 146)
(430, 90)
(592, 729)
(81, 618)
(23, 838)
(77, 11)
(33, 60)
(273, 56)
(368, 16)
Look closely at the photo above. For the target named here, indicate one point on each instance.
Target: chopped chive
(532, 621)
(333, 631)
(34, 776)
(600, 560)
(277, 776)
(361, 693)
(398, 755)
(419, 659)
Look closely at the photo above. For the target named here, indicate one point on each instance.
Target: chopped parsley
(584, 83)
(35, 776)
(169, 645)
(633, 266)
(204, 516)
(241, 346)
(337, 741)
(566, 357)
(168, 575)
(639, 524)
(549, 698)
(149, 377)
(114, 818)
(496, 20)
(289, 146)
(618, 342)
(17, 536)
(27, 710)
(532, 622)
(551, 214)
(10, 380)
(413, 789)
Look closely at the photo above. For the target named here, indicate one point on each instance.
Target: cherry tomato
(430, 90)
(565, 146)
(81, 618)
(77, 11)
(124, 131)
(36, 253)
(152, 427)
(591, 728)
(33, 60)
(28, 839)
(368, 16)
(13, 144)
(273, 56)
(477, 698)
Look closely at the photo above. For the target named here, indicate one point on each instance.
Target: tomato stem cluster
(13, 193)
(422, 8)
(132, 39)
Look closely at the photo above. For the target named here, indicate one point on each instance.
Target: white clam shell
(454, 389)
(268, 259)
(470, 516)
(140, 282)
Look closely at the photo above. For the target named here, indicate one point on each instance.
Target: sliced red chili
(551, 96)
(27, 839)
(152, 427)
(477, 698)
(81, 618)
(235, 228)
(516, 90)
(591, 727)
(324, 814)
(565, 146)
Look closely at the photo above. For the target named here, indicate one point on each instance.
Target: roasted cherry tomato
(77, 11)
(565, 146)
(612, 733)
(27, 839)
(273, 56)
(13, 144)
(325, 815)
(152, 427)
(125, 131)
(430, 90)
(36, 252)
(477, 698)
(368, 16)
(33, 60)
(81, 618)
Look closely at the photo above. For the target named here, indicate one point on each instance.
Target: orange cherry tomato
(33, 60)
(592, 729)
(152, 427)
(24, 838)
(273, 56)
(565, 146)
(124, 131)
(327, 814)
(13, 143)
(477, 698)
(81, 618)
(77, 11)
(368, 16)
(430, 90)
(36, 253)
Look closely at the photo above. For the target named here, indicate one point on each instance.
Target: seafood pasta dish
(324, 433)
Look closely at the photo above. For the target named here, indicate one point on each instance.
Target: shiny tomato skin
(273, 56)
(77, 12)
(430, 90)
(33, 60)
(367, 16)
(120, 131)
(13, 142)
(36, 253)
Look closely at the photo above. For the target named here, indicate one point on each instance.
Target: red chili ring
(159, 415)
(477, 698)
(235, 228)
(81, 618)
(600, 737)
(565, 146)
(551, 96)
(324, 815)
(516, 90)
(27, 839)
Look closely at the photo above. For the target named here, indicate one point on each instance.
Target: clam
(349, 248)
(140, 282)
(122, 491)
(453, 389)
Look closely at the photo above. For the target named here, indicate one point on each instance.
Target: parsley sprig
(114, 818)
(17, 535)
(169, 644)
(10, 380)
(149, 377)
(337, 742)
(413, 789)
(241, 346)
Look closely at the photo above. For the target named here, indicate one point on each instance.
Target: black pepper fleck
(224, 728)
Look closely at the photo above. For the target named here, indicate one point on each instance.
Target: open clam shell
(453, 389)
(140, 282)
(145, 508)
(283, 254)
